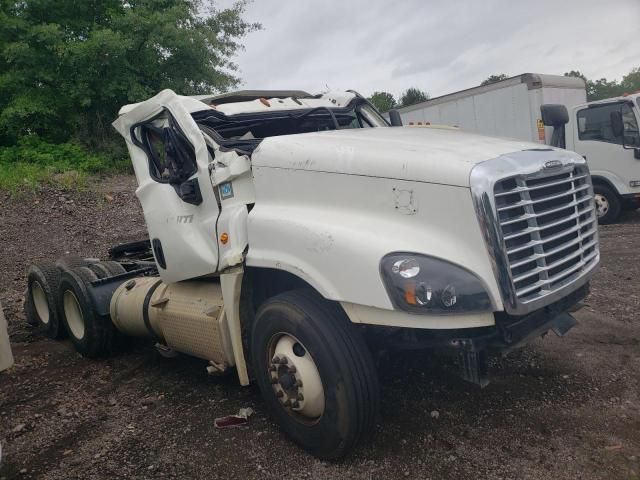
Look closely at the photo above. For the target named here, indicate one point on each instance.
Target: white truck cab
(293, 236)
(606, 134)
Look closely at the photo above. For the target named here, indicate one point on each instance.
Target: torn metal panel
(231, 176)
(180, 205)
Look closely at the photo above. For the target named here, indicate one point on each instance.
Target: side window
(631, 133)
(171, 156)
(594, 123)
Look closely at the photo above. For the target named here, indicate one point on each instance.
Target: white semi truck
(513, 108)
(292, 236)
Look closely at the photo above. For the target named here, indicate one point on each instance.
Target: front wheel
(607, 204)
(315, 373)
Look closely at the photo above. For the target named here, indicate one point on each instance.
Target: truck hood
(434, 155)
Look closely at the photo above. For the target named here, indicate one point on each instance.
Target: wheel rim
(73, 314)
(602, 205)
(39, 298)
(295, 379)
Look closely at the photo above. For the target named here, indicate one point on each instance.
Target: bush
(34, 161)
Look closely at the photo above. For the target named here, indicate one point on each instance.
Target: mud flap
(563, 323)
(474, 366)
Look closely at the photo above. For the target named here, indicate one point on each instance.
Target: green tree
(576, 73)
(413, 95)
(66, 67)
(494, 79)
(383, 101)
(631, 81)
(602, 88)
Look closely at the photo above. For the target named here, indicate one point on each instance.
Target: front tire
(607, 204)
(315, 373)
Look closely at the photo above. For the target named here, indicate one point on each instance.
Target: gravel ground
(559, 409)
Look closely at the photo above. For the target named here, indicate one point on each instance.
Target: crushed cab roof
(248, 95)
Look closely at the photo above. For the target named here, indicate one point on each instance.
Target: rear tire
(91, 334)
(70, 262)
(41, 301)
(608, 205)
(106, 269)
(114, 268)
(31, 317)
(318, 333)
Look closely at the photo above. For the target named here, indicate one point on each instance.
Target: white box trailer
(509, 108)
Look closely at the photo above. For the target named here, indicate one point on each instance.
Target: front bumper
(631, 200)
(472, 347)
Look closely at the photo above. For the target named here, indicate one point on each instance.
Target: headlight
(421, 284)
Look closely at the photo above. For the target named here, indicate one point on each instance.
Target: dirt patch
(52, 223)
(559, 409)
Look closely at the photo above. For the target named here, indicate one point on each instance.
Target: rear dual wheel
(315, 373)
(106, 269)
(41, 302)
(58, 300)
(92, 334)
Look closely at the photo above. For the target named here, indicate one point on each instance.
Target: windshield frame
(371, 115)
(210, 121)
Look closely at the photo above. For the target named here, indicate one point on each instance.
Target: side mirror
(394, 117)
(554, 115)
(617, 124)
(617, 127)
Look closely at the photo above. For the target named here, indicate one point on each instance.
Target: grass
(33, 162)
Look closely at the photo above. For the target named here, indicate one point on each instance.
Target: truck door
(595, 140)
(171, 163)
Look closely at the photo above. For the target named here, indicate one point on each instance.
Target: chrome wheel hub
(602, 205)
(73, 314)
(295, 378)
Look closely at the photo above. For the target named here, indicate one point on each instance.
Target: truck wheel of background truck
(41, 301)
(92, 334)
(315, 373)
(607, 204)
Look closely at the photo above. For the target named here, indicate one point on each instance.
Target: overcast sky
(438, 46)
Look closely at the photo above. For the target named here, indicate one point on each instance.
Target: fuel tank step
(186, 316)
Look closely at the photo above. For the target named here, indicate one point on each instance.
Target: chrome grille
(548, 226)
